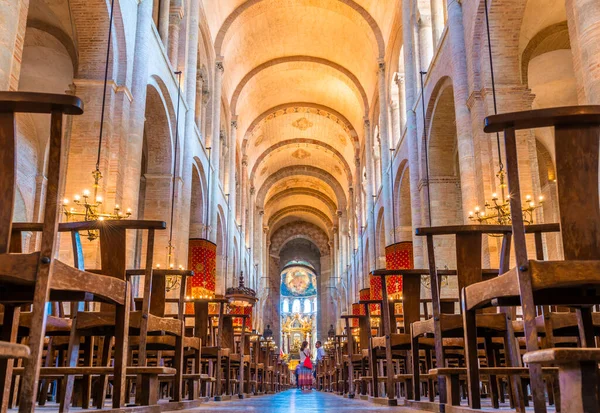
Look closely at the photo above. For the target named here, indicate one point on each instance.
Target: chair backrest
(577, 142)
(12, 103)
(469, 248)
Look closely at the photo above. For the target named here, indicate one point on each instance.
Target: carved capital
(219, 66)
(234, 124)
(381, 66)
(252, 190)
(205, 95)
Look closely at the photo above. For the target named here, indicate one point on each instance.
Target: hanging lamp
(91, 204)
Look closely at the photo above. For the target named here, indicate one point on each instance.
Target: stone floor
(295, 401)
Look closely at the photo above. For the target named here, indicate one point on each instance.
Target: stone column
(425, 38)
(583, 18)
(244, 219)
(370, 167)
(384, 136)
(399, 79)
(163, 21)
(199, 101)
(410, 69)
(190, 131)
(437, 21)
(175, 18)
(395, 114)
(133, 166)
(12, 36)
(466, 153)
(216, 149)
(231, 188)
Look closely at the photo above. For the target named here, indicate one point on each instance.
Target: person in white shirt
(320, 356)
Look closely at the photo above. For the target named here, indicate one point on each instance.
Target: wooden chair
(165, 333)
(393, 341)
(572, 282)
(212, 351)
(446, 325)
(37, 277)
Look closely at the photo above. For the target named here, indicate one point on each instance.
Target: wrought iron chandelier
(92, 208)
(497, 212)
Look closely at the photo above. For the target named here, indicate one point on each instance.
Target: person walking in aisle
(305, 377)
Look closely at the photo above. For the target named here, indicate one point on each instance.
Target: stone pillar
(399, 79)
(12, 36)
(425, 38)
(437, 21)
(175, 18)
(384, 135)
(466, 154)
(410, 69)
(244, 219)
(133, 165)
(216, 149)
(199, 101)
(583, 18)
(395, 115)
(231, 188)
(163, 21)
(190, 132)
(370, 192)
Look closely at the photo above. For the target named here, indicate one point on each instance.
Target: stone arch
(308, 59)
(91, 40)
(351, 3)
(325, 110)
(198, 202)
(403, 203)
(288, 142)
(273, 219)
(553, 37)
(302, 170)
(221, 239)
(299, 229)
(444, 170)
(303, 191)
(60, 35)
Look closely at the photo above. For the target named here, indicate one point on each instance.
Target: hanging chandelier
(497, 212)
(92, 208)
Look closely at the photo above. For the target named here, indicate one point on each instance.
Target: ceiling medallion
(302, 124)
(342, 139)
(300, 154)
(259, 140)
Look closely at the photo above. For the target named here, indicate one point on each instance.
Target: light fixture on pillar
(241, 296)
(497, 212)
(92, 204)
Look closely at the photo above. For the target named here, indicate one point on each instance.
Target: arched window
(296, 306)
(286, 305)
(307, 308)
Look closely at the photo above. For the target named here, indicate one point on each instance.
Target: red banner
(202, 259)
(398, 256)
(357, 309)
(237, 322)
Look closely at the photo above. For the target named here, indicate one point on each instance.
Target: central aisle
(294, 401)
